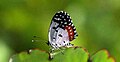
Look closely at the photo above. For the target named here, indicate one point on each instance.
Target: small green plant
(73, 54)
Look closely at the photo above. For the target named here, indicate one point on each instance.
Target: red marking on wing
(70, 32)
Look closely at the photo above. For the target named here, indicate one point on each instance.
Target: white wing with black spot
(61, 30)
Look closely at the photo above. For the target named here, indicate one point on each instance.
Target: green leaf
(68, 55)
(72, 55)
(34, 56)
(102, 56)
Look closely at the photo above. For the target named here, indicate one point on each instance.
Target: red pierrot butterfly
(61, 31)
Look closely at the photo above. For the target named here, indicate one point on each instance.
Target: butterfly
(61, 31)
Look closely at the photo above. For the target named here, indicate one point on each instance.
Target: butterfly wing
(61, 30)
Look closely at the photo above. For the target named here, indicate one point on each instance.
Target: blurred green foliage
(97, 23)
(102, 56)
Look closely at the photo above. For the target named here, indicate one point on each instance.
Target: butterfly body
(61, 31)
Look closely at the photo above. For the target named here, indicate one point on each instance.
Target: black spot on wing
(63, 41)
(54, 28)
(53, 37)
(62, 18)
(56, 44)
(60, 35)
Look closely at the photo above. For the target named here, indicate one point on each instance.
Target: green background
(97, 23)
